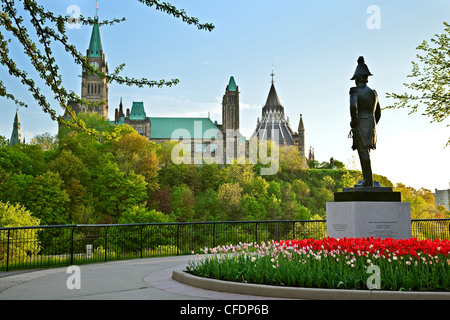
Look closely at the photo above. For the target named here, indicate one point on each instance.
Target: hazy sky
(313, 46)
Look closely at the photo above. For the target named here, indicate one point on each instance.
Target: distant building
(136, 119)
(16, 135)
(198, 134)
(442, 197)
(275, 127)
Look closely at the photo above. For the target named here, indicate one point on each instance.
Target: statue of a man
(365, 113)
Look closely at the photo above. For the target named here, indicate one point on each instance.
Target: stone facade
(442, 197)
(137, 118)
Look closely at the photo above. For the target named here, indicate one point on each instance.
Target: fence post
(214, 235)
(256, 232)
(178, 239)
(106, 243)
(293, 230)
(71, 245)
(142, 227)
(7, 250)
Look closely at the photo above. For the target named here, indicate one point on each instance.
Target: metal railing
(52, 246)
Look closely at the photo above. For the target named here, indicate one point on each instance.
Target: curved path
(140, 279)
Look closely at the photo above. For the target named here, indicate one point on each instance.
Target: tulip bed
(366, 263)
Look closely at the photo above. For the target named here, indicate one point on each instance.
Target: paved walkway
(140, 279)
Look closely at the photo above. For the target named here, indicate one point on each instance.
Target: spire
(16, 135)
(95, 46)
(272, 98)
(232, 84)
(272, 74)
(121, 114)
(301, 127)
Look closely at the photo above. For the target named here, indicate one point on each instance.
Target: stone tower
(93, 88)
(230, 107)
(301, 137)
(16, 135)
(275, 127)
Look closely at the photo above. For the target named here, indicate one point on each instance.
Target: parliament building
(200, 133)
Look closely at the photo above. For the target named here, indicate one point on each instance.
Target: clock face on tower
(95, 64)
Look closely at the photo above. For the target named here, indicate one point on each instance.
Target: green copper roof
(95, 46)
(138, 111)
(197, 128)
(232, 85)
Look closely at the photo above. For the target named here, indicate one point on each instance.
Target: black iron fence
(51, 246)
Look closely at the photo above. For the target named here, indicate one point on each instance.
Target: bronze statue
(365, 113)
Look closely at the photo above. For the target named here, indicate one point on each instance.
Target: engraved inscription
(383, 229)
(340, 227)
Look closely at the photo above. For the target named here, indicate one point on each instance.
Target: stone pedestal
(368, 211)
(366, 219)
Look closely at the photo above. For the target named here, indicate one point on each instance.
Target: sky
(312, 48)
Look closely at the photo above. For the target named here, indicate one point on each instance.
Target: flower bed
(367, 263)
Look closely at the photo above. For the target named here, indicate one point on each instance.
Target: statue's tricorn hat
(361, 69)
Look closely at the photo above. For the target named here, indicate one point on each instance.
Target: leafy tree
(164, 153)
(135, 153)
(243, 174)
(422, 202)
(258, 188)
(16, 215)
(160, 201)
(113, 191)
(36, 156)
(432, 74)
(291, 159)
(13, 159)
(273, 207)
(47, 200)
(77, 184)
(50, 33)
(211, 176)
(230, 195)
(69, 167)
(46, 141)
(88, 149)
(207, 206)
(174, 175)
(253, 208)
(183, 204)
(14, 187)
(274, 189)
(140, 214)
(301, 190)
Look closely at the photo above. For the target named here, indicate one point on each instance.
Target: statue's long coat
(368, 113)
